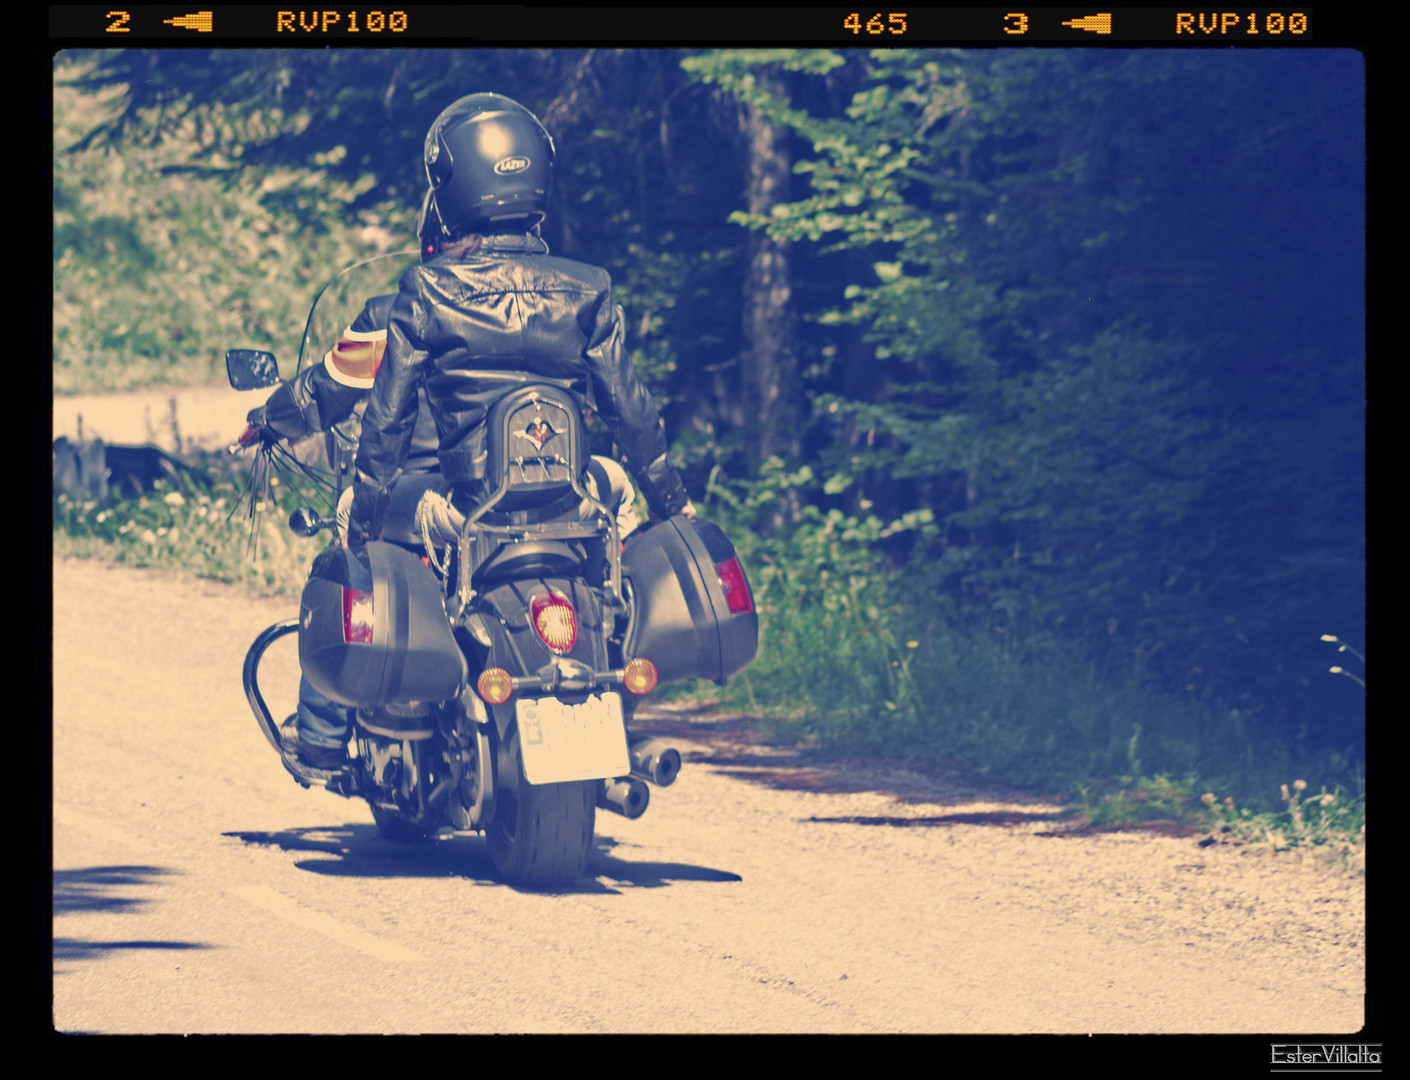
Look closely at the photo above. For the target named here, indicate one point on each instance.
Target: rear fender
(517, 648)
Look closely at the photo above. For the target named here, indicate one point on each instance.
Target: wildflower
(913, 644)
(1207, 798)
(1299, 785)
(102, 517)
(148, 536)
(1229, 801)
(1335, 670)
(174, 498)
(1330, 637)
(1284, 789)
(1327, 800)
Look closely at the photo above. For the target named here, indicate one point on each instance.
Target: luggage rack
(481, 541)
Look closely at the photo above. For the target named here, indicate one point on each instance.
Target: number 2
(119, 26)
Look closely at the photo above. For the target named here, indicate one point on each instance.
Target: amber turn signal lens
(495, 686)
(639, 676)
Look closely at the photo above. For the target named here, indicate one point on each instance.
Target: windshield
(342, 300)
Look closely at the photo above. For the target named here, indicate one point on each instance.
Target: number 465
(895, 23)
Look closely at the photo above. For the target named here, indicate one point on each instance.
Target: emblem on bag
(539, 433)
(511, 165)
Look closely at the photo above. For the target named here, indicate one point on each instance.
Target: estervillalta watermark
(1326, 1057)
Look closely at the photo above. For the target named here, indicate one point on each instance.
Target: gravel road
(197, 888)
(204, 417)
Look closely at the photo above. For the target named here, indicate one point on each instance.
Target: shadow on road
(648, 875)
(361, 851)
(992, 817)
(92, 888)
(100, 889)
(78, 949)
(742, 748)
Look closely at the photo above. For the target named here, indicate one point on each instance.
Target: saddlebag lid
(373, 629)
(683, 622)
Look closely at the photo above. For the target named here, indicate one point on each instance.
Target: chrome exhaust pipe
(625, 795)
(654, 760)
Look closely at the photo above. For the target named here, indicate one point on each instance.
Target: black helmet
(487, 159)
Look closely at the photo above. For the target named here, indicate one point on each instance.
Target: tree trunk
(771, 388)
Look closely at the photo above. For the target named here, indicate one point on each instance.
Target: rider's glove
(283, 414)
(662, 488)
(358, 533)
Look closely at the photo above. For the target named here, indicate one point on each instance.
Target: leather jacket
(468, 328)
(329, 397)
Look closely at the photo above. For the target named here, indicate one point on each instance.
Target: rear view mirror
(304, 522)
(250, 369)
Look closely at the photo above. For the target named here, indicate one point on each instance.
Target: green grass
(1329, 824)
(201, 529)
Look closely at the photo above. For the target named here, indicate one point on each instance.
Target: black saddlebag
(373, 629)
(694, 615)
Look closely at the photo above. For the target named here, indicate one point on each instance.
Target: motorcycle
(493, 681)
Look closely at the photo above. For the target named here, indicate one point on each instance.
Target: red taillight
(736, 589)
(555, 621)
(357, 616)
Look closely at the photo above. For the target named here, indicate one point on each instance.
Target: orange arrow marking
(201, 21)
(1099, 23)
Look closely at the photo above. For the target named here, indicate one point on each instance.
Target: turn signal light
(639, 676)
(495, 685)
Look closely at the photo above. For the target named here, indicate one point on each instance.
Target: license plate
(561, 742)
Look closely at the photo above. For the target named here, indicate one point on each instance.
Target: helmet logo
(510, 165)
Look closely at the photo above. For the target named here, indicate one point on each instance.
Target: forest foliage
(1059, 353)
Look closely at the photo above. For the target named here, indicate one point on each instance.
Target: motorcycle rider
(328, 395)
(486, 305)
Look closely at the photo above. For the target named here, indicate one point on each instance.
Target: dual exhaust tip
(652, 760)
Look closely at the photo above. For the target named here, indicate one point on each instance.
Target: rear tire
(541, 834)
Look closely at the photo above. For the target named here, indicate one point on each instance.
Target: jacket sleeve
(390, 418)
(626, 406)
(326, 394)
